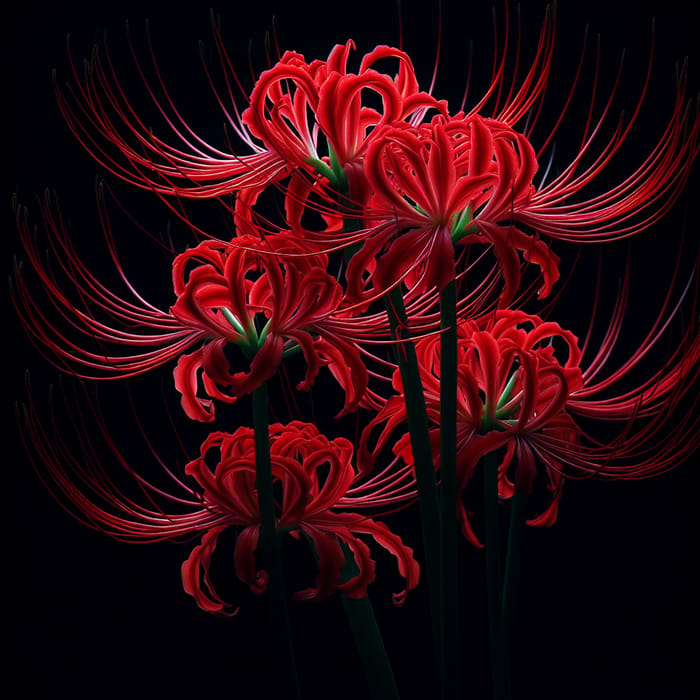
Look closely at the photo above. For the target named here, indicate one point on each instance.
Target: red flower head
(521, 394)
(452, 181)
(319, 492)
(223, 290)
(268, 305)
(310, 505)
(315, 123)
(291, 105)
(284, 96)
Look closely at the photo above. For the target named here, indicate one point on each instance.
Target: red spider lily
(295, 102)
(453, 180)
(332, 97)
(516, 394)
(319, 490)
(298, 305)
(294, 299)
(291, 105)
(299, 455)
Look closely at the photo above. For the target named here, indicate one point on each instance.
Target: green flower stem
(499, 670)
(370, 645)
(368, 639)
(270, 552)
(511, 580)
(449, 586)
(417, 417)
(422, 456)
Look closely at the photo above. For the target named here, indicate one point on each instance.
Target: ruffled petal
(244, 560)
(330, 559)
(185, 375)
(196, 565)
(407, 565)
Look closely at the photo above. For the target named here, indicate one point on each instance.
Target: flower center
(249, 339)
(463, 224)
(507, 405)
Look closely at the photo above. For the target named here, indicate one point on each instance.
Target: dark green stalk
(368, 639)
(449, 593)
(270, 552)
(499, 671)
(417, 418)
(511, 580)
(370, 645)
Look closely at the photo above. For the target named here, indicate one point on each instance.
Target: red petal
(200, 558)
(330, 560)
(185, 374)
(244, 559)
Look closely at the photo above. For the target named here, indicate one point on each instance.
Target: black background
(610, 593)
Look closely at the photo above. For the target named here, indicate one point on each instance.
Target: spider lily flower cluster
(404, 190)
(321, 492)
(519, 398)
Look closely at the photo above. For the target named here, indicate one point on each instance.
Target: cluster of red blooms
(404, 189)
